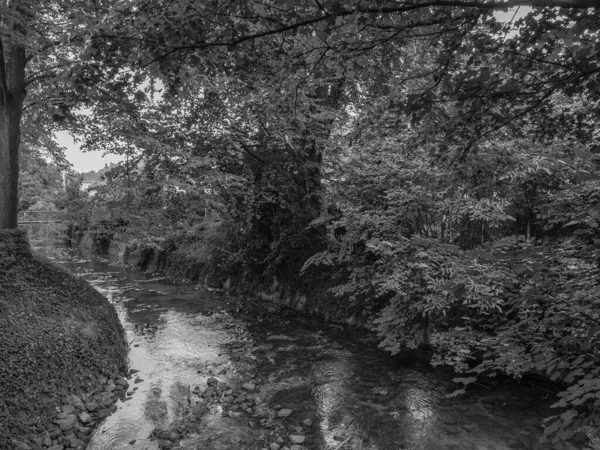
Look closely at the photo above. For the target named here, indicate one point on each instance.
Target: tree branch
(251, 153)
(488, 5)
(403, 7)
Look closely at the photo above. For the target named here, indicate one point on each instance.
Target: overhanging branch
(398, 8)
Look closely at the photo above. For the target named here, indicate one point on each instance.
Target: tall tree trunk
(12, 78)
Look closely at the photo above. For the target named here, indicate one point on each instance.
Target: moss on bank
(198, 259)
(57, 336)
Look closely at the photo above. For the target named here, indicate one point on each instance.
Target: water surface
(352, 394)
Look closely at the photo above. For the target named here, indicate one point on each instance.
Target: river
(341, 391)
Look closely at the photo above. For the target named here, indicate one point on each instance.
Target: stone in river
(297, 438)
(55, 433)
(470, 427)
(212, 381)
(122, 382)
(307, 423)
(451, 429)
(273, 446)
(85, 418)
(56, 447)
(91, 406)
(163, 444)
(85, 431)
(138, 380)
(248, 386)
(74, 442)
(68, 409)
(75, 401)
(67, 423)
(106, 398)
(284, 412)
(102, 413)
(47, 440)
(169, 435)
(21, 446)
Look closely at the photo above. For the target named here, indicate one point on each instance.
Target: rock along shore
(62, 349)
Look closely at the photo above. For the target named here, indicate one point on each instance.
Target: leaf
(456, 393)
(465, 381)
(568, 416)
(458, 290)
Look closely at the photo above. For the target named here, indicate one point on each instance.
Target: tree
(324, 41)
(13, 59)
(426, 137)
(43, 75)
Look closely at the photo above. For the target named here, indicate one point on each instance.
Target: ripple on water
(346, 385)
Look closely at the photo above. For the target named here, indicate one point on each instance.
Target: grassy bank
(58, 336)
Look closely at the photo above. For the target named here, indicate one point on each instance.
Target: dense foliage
(437, 163)
(493, 261)
(40, 184)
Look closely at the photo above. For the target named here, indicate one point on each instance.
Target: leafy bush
(497, 273)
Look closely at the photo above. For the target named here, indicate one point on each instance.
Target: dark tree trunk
(12, 74)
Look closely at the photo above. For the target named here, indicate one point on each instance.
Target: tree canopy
(436, 166)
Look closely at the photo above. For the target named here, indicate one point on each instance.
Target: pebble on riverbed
(241, 402)
(72, 427)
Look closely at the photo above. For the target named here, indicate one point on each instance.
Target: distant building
(89, 179)
(94, 179)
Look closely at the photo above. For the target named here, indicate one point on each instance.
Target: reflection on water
(351, 391)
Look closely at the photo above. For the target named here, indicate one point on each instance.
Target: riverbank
(201, 261)
(308, 294)
(197, 348)
(61, 342)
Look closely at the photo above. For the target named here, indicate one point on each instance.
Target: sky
(83, 161)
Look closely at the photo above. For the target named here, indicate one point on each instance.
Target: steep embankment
(58, 336)
(199, 260)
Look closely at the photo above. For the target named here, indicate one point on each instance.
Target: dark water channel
(343, 392)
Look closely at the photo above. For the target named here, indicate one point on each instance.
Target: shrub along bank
(58, 336)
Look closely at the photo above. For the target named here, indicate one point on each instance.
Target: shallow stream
(341, 390)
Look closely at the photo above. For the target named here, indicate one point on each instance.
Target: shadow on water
(342, 391)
